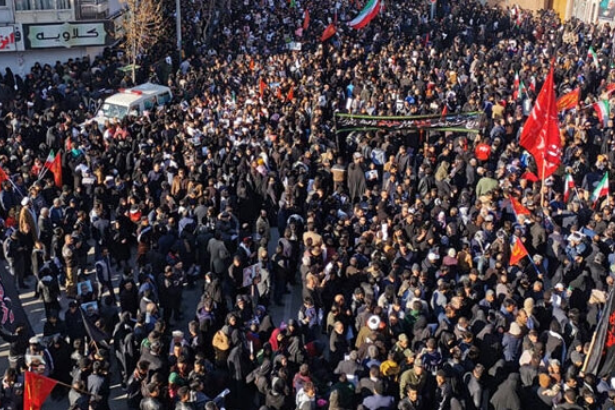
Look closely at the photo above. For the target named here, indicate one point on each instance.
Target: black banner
(601, 357)
(11, 310)
(463, 122)
(96, 334)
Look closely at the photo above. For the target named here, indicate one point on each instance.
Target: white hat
(374, 322)
(433, 255)
(178, 334)
(25, 201)
(559, 286)
(575, 236)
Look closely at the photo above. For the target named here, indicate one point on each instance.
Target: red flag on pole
(569, 101)
(261, 87)
(306, 19)
(291, 94)
(3, 176)
(518, 207)
(540, 134)
(56, 168)
(37, 388)
(518, 252)
(328, 33)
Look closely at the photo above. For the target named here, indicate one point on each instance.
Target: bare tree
(143, 26)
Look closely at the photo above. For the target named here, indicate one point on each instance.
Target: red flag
(328, 33)
(568, 101)
(3, 176)
(610, 88)
(306, 19)
(540, 134)
(261, 87)
(56, 168)
(291, 94)
(530, 176)
(251, 65)
(518, 252)
(518, 207)
(445, 110)
(37, 388)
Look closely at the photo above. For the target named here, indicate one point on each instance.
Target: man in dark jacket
(338, 345)
(98, 384)
(152, 402)
(74, 322)
(18, 344)
(136, 383)
(170, 286)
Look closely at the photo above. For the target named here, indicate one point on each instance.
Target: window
(114, 111)
(26, 5)
(164, 98)
(149, 103)
(2, 3)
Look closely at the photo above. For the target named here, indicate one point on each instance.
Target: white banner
(7, 39)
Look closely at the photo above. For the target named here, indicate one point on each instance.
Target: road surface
(36, 314)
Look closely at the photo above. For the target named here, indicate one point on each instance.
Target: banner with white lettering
(462, 122)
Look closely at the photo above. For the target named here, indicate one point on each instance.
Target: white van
(133, 101)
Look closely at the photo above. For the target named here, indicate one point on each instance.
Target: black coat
(151, 403)
(239, 364)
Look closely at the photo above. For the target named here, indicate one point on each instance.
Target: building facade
(47, 31)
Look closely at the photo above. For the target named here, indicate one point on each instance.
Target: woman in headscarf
(507, 394)
(356, 179)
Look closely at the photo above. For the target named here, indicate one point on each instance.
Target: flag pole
(591, 347)
(69, 386)
(576, 191)
(542, 187)
(16, 188)
(534, 265)
(42, 173)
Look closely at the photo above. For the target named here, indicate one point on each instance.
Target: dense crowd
(400, 240)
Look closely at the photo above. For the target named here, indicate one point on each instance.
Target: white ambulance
(133, 101)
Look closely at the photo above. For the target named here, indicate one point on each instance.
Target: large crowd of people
(399, 240)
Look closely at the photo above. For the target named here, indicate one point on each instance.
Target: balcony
(93, 9)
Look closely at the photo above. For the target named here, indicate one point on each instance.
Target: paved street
(36, 314)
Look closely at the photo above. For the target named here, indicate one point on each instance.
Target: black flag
(601, 358)
(96, 334)
(11, 310)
